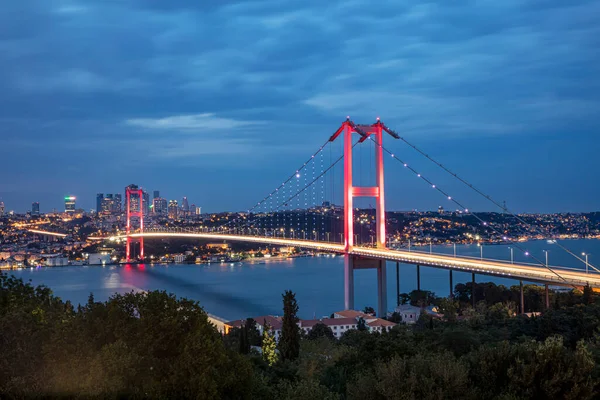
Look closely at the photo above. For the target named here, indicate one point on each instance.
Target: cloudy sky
(221, 101)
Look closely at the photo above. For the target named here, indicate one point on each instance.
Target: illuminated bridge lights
(47, 233)
(485, 267)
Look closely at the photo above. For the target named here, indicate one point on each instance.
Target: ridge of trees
(155, 345)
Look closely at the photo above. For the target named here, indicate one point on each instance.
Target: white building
(98, 259)
(275, 323)
(337, 325)
(372, 323)
(409, 314)
(57, 261)
(342, 322)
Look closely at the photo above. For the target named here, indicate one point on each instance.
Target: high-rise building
(156, 194)
(70, 204)
(193, 209)
(135, 203)
(117, 203)
(159, 206)
(198, 210)
(99, 199)
(35, 208)
(173, 209)
(185, 207)
(146, 203)
(1, 208)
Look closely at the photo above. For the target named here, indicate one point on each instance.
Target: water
(252, 289)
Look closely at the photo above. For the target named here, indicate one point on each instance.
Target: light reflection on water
(255, 288)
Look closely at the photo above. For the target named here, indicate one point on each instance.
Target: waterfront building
(98, 259)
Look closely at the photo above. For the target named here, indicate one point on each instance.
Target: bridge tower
(137, 212)
(351, 262)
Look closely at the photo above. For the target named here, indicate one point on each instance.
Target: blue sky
(221, 101)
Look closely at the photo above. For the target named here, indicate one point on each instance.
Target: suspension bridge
(298, 213)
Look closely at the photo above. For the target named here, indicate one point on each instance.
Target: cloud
(205, 121)
(278, 76)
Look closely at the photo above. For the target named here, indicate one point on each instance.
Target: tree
(269, 346)
(320, 330)
(395, 317)
(404, 298)
(289, 343)
(244, 342)
(588, 295)
(421, 298)
(369, 310)
(362, 325)
(449, 308)
(253, 334)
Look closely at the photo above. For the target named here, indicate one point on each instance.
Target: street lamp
(587, 264)
(480, 250)
(512, 256)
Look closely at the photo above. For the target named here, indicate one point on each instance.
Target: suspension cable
(489, 198)
(467, 210)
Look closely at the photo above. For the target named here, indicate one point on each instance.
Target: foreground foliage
(153, 345)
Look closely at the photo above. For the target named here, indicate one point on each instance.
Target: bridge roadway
(527, 272)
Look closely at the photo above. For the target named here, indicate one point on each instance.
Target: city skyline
(197, 113)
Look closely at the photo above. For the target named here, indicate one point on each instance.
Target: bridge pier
(547, 296)
(451, 286)
(397, 283)
(382, 289)
(348, 282)
(352, 263)
(418, 277)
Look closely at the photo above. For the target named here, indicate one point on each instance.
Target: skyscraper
(1, 208)
(159, 206)
(117, 203)
(156, 194)
(193, 209)
(173, 209)
(146, 203)
(185, 207)
(35, 208)
(99, 199)
(135, 203)
(70, 204)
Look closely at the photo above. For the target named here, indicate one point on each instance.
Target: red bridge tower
(133, 192)
(352, 262)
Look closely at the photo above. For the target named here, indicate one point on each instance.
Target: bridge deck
(506, 269)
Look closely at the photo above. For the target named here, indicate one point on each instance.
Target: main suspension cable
(489, 198)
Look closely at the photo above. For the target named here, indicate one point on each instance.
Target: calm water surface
(251, 289)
